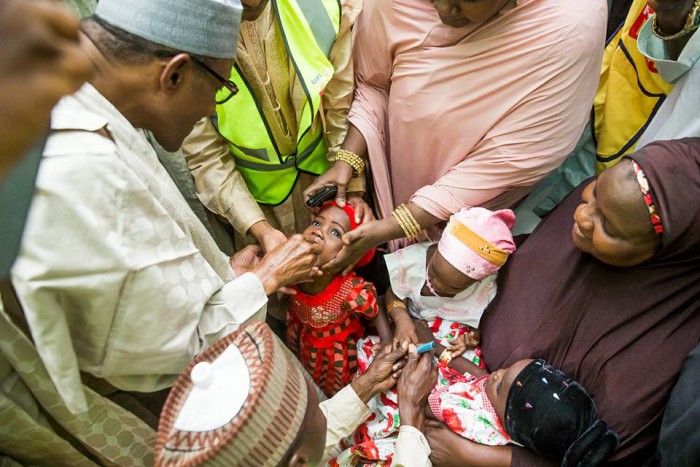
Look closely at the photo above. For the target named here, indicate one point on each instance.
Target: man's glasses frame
(227, 83)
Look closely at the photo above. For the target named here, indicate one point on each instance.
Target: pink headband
(477, 241)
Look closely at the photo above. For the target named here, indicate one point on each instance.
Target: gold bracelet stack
(445, 357)
(408, 223)
(355, 161)
(394, 305)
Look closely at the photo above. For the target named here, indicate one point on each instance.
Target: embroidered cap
(477, 241)
(241, 402)
(202, 27)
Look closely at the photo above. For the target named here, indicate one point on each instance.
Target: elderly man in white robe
(118, 284)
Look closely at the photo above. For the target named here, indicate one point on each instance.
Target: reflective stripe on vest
(636, 91)
(309, 29)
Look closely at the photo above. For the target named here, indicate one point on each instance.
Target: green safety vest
(309, 29)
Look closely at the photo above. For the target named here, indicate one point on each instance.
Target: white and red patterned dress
(323, 329)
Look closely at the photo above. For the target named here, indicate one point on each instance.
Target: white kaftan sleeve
(344, 412)
(240, 301)
(412, 449)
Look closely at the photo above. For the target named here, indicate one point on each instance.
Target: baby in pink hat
(450, 284)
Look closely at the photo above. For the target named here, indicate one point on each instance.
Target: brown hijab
(621, 332)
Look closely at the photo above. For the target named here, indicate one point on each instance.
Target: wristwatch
(691, 24)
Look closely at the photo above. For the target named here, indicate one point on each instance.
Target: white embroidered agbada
(116, 275)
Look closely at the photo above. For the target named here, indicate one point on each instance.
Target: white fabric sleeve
(238, 302)
(344, 412)
(412, 449)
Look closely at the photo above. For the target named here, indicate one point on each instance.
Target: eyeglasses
(223, 95)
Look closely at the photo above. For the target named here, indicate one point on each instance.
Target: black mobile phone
(324, 194)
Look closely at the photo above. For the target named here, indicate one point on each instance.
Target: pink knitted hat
(477, 241)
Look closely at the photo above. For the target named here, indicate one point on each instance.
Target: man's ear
(298, 459)
(172, 72)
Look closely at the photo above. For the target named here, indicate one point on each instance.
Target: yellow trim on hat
(480, 246)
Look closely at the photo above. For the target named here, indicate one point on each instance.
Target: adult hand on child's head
(382, 373)
(290, 263)
(363, 213)
(249, 257)
(415, 383)
(339, 175)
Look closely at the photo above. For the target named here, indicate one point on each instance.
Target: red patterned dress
(323, 329)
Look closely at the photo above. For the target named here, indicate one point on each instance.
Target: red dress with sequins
(323, 329)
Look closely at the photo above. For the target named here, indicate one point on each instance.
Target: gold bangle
(445, 357)
(393, 305)
(406, 221)
(402, 223)
(355, 161)
(411, 220)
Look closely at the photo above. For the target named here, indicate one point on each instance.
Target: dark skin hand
(340, 175)
(671, 16)
(448, 449)
(416, 381)
(382, 373)
(467, 341)
(460, 364)
(372, 232)
(367, 236)
(40, 61)
(381, 323)
(341, 172)
(404, 329)
(288, 264)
